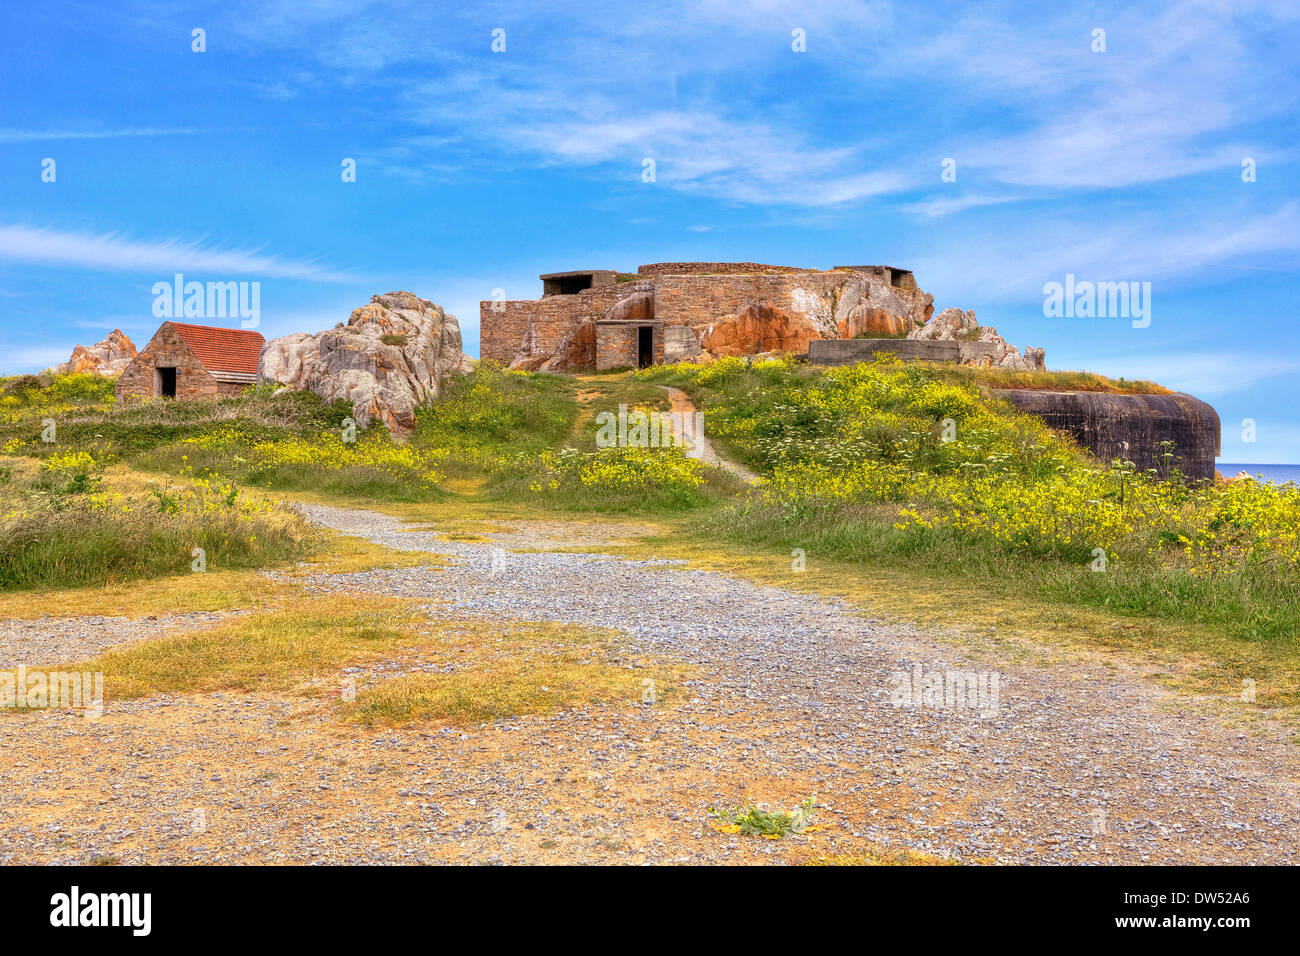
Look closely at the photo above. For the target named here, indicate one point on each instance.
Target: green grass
(1005, 502)
(494, 415)
(26, 393)
(174, 437)
(68, 527)
(582, 477)
(132, 428)
(1065, 381)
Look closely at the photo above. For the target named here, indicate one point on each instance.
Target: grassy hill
(888, 468)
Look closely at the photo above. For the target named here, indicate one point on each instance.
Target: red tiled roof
(223, 350)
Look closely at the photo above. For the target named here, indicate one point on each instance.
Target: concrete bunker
(895, 277)
(571, 283)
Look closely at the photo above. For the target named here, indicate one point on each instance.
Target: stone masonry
(697, 311)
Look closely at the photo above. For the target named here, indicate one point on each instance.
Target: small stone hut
(192, 361)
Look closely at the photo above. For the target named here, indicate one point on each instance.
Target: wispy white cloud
(946, 206)
(1174, 94)
(1171, 96)
(700, 150)
(38, 135)
(111, 251)
(1144, 248)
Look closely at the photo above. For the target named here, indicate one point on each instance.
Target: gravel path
(1071, 748)
(53, 640)
(1076, 761)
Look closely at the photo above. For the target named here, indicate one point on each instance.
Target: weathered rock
(106, 358)
(761, 327)
(868, 307)
(954, 325)
(576, 350)
(639, 306)
(390, 358)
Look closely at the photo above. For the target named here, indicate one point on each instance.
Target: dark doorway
(566, 285)
(167, 382)
(645, 345)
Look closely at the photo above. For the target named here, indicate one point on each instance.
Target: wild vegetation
(486, 420)
(891, 462)
(910, 466)
(754, 820)
(64, 524)
(1064, 380)
(278, 440)
(532, 437)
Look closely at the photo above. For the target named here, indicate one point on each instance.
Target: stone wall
(681, 343)
(535, 327)
(618, 343)
(733, 309)
(231, 389)
(1130, 427)
(704, 300)
(709, 268)
(167, 350)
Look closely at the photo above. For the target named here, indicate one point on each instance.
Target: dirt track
(1074, 762)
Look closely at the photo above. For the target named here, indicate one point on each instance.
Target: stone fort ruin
(701, 311)
(696, 311)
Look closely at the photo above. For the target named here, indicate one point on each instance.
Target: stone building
(192, 361)
(695, 311)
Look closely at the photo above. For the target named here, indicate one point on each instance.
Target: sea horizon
(1275, 473)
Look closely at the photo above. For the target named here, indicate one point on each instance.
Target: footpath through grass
(886, 472)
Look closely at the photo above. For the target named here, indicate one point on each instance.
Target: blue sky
(479, 170)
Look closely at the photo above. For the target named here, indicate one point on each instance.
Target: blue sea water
(1277, 474)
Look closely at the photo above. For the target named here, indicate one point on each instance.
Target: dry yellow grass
(210, 590)
(278, 650)
(534, 668)
(501, 669)
(881, 856)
